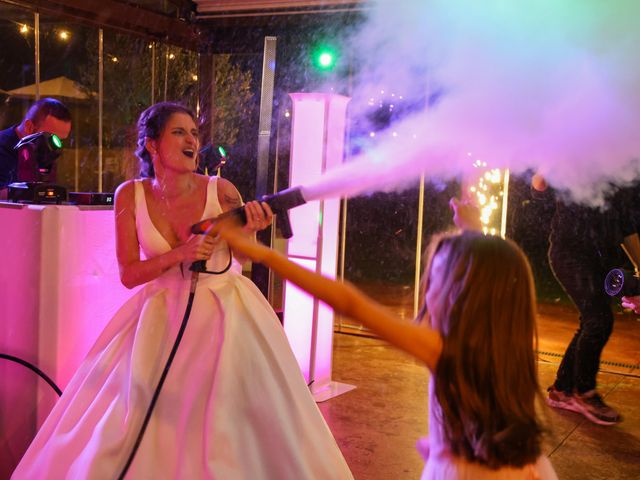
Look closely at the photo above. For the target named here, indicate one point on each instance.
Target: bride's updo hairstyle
(150, 125)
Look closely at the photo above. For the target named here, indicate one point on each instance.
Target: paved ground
(377, 424)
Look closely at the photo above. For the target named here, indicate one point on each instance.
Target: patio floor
(378, 423)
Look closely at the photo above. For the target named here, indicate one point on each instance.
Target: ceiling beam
(270, 7)
(125, 17)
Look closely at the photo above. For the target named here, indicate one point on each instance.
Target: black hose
(33, 368)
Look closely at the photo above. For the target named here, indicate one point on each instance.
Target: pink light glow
(307, 150)
(317, 144)
(60, 286)
(298, 315)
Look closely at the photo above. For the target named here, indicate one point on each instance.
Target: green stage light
(325, 58)
(55, 140)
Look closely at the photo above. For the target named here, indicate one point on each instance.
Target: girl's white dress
(234, 404)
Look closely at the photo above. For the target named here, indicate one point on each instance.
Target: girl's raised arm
(419, 341)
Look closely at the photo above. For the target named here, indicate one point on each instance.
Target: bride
(234, 404)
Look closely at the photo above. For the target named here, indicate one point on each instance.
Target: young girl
(477, 339)
(234, 405)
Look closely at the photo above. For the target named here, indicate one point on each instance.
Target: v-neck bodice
(151, 240)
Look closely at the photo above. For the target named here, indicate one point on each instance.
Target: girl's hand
(231, 232)
(466, 215)
(259, 216)
(198, 247)
(539, 183)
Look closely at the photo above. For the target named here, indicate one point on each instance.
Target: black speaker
(90, 198)
(36, 192)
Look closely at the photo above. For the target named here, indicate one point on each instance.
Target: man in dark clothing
(584, 246)
(46, 115)
(8, 156)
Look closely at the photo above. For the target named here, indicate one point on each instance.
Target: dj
(46, 115)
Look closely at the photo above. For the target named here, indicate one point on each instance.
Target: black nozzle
(284, 200)
(621, 283)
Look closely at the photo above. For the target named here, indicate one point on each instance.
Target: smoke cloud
(547, 85)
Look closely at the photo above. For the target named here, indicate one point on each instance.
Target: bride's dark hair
(150, 125)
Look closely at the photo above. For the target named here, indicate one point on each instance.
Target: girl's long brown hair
(486, 378)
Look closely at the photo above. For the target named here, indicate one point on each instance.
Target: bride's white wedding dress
(234, 404)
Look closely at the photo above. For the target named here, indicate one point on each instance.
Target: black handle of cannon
(199, 266)
(280, 203)
(284, 223)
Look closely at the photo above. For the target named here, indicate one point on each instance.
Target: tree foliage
(137, 73)
(233, 99)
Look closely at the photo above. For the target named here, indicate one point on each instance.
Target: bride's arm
(258, 217)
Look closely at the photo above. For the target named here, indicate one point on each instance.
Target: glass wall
(69, 72)
(106, 78)
(235, 98)
(128, 82)
(17, 62)
(179, 76)
(385, 236)
(380, 246)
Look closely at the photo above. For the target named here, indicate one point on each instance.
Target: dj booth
(59, 286)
